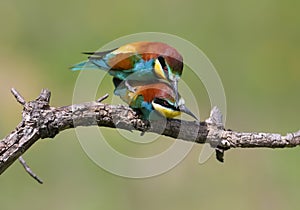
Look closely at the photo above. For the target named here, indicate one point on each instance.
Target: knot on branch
(216, 132)
(37, 113)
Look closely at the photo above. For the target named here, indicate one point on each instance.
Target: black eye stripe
(165, 103)
(162, 62)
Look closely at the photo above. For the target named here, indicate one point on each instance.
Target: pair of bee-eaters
(145, 75)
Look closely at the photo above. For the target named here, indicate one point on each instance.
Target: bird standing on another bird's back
(142, 61)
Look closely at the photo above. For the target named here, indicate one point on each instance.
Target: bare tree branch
(42, 121)
(29, 171)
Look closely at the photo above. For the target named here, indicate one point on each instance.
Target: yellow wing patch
(125, 49)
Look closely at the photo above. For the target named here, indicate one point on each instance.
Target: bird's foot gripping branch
(40, 120)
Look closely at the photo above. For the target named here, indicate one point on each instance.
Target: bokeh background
(255, 47)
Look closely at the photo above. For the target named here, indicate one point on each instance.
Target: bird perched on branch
(147, 97)
(143, 61)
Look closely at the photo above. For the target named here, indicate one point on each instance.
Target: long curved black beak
(184, 109)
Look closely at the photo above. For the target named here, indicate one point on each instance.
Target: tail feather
(90, 64)
(94, 61)
(84, 65)
(99, 54)
(88, 53)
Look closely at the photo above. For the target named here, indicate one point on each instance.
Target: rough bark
(40, 120)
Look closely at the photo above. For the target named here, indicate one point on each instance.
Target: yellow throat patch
(168, 113)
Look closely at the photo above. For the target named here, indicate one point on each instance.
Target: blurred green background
(254, 45)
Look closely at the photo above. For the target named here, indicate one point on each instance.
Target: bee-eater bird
(143, 61)
(158, 96)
